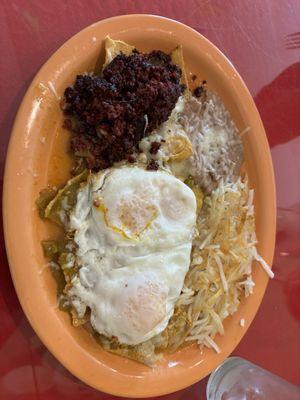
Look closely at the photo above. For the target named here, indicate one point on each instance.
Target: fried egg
(133, 230)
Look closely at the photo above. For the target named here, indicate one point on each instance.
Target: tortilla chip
(177, 59)
(115, 47)
(65, 199)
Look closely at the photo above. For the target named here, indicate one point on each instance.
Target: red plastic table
(262, 40)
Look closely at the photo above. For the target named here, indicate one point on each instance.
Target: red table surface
(260, 38)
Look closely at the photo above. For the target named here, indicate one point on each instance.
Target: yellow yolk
(135, 215)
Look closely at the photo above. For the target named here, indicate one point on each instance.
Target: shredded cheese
(222, 275)
(262, 262)
(225, 245)
(53, 90)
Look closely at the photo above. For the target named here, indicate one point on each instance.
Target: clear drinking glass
(238, 379)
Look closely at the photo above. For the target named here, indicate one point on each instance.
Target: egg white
(133, 230)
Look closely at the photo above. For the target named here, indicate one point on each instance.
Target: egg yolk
(135, 214)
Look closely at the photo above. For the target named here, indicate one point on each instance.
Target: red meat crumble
(112, 113)
(154, 147)
(152, 165)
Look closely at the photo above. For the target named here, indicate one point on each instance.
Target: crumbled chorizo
(154, 147)
(112, 113)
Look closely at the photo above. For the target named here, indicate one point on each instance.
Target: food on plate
(177, 59)
(133, 233)
(218, 148)
(114, 48)
(158, 219)
(111, 113)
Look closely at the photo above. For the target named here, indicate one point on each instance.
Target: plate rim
(7, 214)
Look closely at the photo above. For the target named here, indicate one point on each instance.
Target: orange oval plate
(37, 156)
